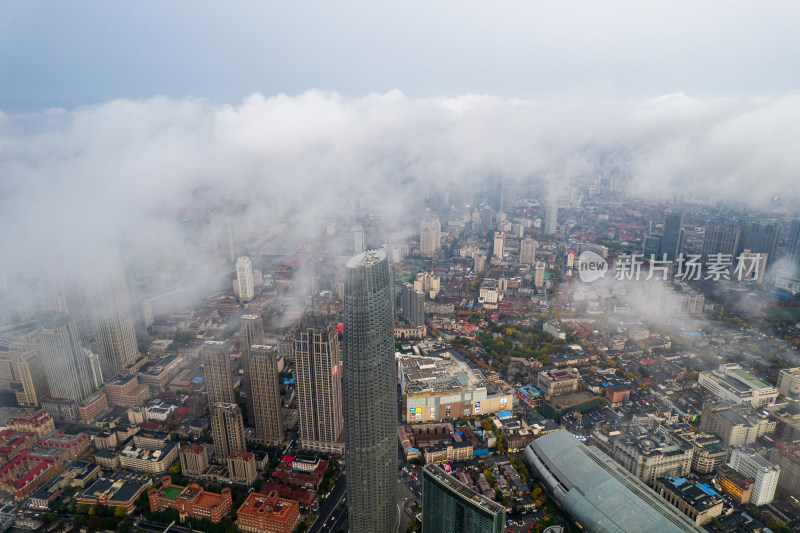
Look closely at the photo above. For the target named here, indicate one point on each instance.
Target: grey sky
(63, 54)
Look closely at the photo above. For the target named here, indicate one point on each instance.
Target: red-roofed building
(267, 513)
(25, 473)
(284, 472)
(73, 445)
(303, 496)
(39, 422)
(14, 443)
(190, 500)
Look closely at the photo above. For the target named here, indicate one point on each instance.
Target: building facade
(227, 429)
(64, 359)
(244, 278)
(261, 513)
(318, 368)
(430, 235)
(217, 370)
(267, 417)
(449, 506)
(251, 332)
(765, 474)
(369, 390)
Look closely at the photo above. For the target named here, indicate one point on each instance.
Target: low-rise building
(267, 513)
(93, 407)
(558, 381)
(126, 391)
(145, 454)
(158, 374)
(789, 383)
(72, 445)
(116, 490)
(190, 501)
(39, 422)
(735, 485)
(28, 471)
(736, 425)
(696, 500)
(449, 451)
(575, 402)
(732, 384)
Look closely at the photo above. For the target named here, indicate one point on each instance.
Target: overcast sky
(64, 54)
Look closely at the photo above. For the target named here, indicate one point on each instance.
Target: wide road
(333, 504)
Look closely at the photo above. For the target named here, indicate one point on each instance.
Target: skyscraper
(413, 305)
(20, 365)
(217, 370)
(251, 332)
(499, 241)
(527, 251)
(793, 249)
(227, 429)
(112, 321)
(319, 385)
(430, 235)
(370, 395)
(67, 367)
(760, 238)
(244, 277)
(267, 417)
(358, 239)
(449, 506)
(671, 240)
(551, 218)
(721, 237)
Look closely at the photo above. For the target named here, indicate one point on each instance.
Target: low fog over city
(372, 268)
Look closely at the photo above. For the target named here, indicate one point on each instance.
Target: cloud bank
(76, 183)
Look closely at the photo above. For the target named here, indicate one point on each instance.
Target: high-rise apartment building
(66, 364)
(551, 219)
(267, 418)
(760, 238)
(370, 395)
(430, 235)
(244, 278)
(318, 366)
(21, 365)
(227, 429)
(793, 250)
(671, 240)
(499, 241)
(722, 236)
(250, 333)
(527, 251)
(765, 474)
(450, 506)
(413, 305)
(217, 370)
(112, 321)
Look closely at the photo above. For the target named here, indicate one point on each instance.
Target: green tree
(120, 512)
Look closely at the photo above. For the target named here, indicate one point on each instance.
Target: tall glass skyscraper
(370, 395)
(671, 240)
(449, 506)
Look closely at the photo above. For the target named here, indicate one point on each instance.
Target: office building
(318, 368)
(793, 249)
(430, 235)
(227, 429)
(551, 219)
(671, 240)
(499, 240)
(359, 241)
(112, 321)
(765, 475)
(251, 332)
(449, 506)
(789, 383)
(761, 238)
(21, 365)
(732, 384)
(126, 391)
(437, 388)
(735, 485)
(596, 492)
(558, 381)
(737, 424)
(413, 305)
(527, 251)
(652, 247)
(244, 279)
(722, 236)
(369, 390)
(786, 456)
(217, 370)
(67, 368)
(267, 418)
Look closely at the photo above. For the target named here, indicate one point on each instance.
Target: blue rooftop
(705, 487)
(504, 414)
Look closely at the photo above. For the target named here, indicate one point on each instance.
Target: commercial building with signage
(438, 388)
